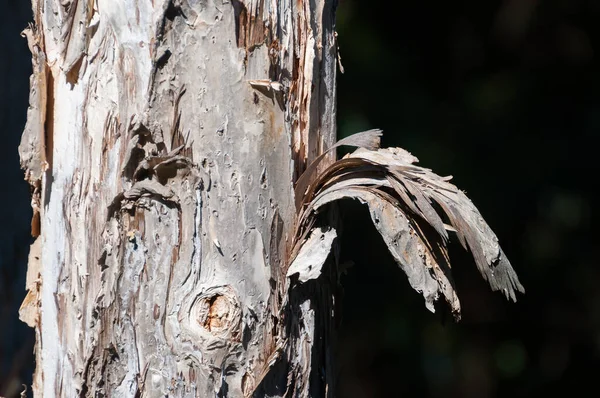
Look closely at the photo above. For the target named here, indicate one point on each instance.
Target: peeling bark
(181, 160)
(162, 177)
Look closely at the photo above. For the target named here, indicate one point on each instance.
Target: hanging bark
(178, 152)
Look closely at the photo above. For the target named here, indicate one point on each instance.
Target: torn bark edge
(146, 188)
(32, 149)
(29, 310)
(307, 266)
(312, 255)
(250, 29)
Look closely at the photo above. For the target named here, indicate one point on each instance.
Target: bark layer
(162, 143)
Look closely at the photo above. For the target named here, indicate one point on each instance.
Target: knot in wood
(217, 311)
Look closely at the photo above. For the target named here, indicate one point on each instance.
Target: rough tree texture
(162, 142)
(181, 160)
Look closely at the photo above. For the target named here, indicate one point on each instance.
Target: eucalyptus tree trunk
(162, 142)
(180, 154)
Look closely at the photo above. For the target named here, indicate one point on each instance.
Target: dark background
(504, 96)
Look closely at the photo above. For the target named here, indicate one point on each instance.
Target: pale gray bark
(162, 142)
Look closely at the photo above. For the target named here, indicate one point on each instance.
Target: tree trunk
(162, 143)
(181, 158)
